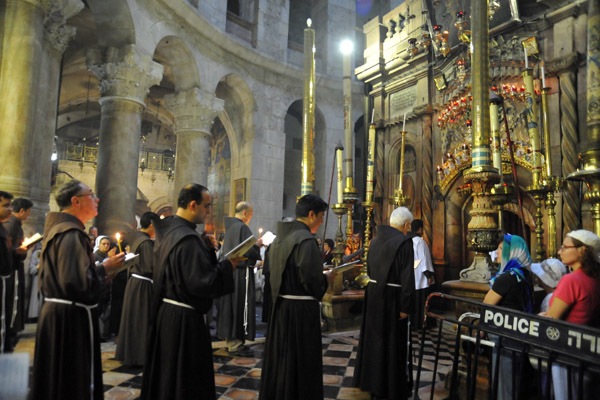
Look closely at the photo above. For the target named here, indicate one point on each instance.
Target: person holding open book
(179, 362)
(236, 321)
(67, 363)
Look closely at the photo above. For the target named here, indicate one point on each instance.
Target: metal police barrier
(527, 344)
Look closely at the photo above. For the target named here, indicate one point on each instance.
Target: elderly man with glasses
(67, 363)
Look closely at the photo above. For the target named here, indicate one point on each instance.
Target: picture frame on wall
(239, 190)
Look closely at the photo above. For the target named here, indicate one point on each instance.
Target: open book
(33, 239)
(130, 259)
(268, 238)
(241, 249)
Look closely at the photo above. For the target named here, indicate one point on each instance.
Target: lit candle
(543, 78)
(370, 163)
(118, 235)
(340, 175)
(404, 123)
(526, 63)
(260, 231)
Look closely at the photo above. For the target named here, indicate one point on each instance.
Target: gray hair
(400, 216)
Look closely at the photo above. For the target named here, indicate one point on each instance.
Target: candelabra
(338, 252)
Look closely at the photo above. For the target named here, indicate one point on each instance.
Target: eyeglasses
(567, 247)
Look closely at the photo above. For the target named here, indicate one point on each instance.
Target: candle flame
(118, 235)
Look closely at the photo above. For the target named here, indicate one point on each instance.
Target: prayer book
(241, 249)
(33, 239)
(130, 259)
(268, 238)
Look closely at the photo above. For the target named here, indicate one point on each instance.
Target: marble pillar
(125, 77)
(565, 68)
(35, 37)
(194, 112)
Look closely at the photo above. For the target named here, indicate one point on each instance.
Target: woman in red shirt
(577, 296)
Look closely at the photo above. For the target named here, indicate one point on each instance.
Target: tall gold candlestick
(308, 114)
(533, 126)
(401, 161)
(546, 122)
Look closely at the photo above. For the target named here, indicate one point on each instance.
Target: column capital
(564, 64)
(124, 72)
(194, 109)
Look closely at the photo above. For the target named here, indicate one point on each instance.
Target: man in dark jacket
(187, 277)
(21, 208)
(381, 363)
(293, 364)
(236, 321)
(67, 363)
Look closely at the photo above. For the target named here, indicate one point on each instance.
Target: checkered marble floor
(239, 377)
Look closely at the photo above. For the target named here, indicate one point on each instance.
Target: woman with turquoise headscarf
(512, 288)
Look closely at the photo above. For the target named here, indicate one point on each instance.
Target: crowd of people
(162, 322)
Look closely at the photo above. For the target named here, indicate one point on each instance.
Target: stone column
(35, 36)
(426, 113)
(125, 77)
(194, 112)
(565, 69)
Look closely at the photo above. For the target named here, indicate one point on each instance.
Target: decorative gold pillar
(194, 112)
(125, 77)
(308, 113)
(35, 36)
(482, 233)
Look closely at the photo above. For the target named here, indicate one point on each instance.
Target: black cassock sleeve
(309, 261)
(195, 273)
(405, 263)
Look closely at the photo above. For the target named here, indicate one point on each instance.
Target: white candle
(543, 78)
(340, 175)
(404, 123)
(526, 63)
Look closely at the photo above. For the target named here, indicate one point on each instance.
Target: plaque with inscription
(402, 102)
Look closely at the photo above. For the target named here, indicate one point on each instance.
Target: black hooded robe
(135, 319)
(61, 367)
(293, 363)
(381, 363)
(6, 295)
(230, 322)
(179, 363)
(14, 227)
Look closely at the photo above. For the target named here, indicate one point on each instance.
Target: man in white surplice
(424, 273)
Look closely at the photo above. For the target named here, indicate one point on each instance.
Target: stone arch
(392, 166)
(293, 157)
(238, 121)
(114, 22)
(178, 60)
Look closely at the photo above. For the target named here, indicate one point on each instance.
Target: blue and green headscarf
(515, 259)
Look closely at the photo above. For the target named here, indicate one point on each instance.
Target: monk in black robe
(179, 362)
(135, 319)
(293, 363)
(381, 363)
(14, 227)
(67, 363)
(236, 321)
(6, 271)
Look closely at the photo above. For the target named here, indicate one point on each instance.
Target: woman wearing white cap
(577, 296)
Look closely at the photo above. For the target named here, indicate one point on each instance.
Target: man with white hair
(381, 367)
